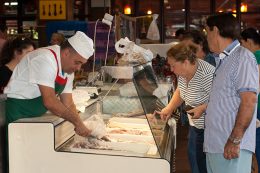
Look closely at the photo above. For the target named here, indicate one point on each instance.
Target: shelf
(29, 17)
(14, 16)
(8, 16)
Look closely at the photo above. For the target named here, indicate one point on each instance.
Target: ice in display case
(135, 141)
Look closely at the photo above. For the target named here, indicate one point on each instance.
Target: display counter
(136, 140)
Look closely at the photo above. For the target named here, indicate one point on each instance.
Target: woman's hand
(165, 113)
(197, 111)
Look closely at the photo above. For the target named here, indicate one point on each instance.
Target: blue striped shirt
(236, 72)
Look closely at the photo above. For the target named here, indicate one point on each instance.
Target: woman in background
(3, 35)
(251, 40)
(200, 42)
(12, 53)
(57, 38)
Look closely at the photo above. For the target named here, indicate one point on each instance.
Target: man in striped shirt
(230, 119)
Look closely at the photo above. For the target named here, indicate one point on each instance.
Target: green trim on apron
(27, 108)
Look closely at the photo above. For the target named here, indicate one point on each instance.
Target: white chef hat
(82, 44)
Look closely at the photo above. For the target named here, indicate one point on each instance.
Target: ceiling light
(149, 12)
(127, 10)
(243, 8)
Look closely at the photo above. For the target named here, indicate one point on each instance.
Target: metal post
(136, 8)
(20, 16)
(187, 15)
(162, 30)
(212, 6)
(238, 4)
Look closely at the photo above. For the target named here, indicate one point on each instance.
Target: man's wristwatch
(234, 140)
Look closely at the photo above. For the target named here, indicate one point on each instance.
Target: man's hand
(82, 130)
(231, 150)
(64, 109)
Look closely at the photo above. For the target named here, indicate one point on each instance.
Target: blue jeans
(257, 150)
(197, 157)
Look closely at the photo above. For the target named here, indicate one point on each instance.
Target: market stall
(134, 141)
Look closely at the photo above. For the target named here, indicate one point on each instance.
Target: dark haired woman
(199, 40)
(12, 53)
(251, 40)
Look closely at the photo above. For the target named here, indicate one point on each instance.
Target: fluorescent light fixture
(14, 3)
(6, 3)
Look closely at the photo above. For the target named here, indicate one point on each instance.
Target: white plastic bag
(133, 52)
(153, 31)
(97, 126)
(80, 97)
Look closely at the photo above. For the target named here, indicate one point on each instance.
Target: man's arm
(243, 119)
(53, 104)
(67, 100)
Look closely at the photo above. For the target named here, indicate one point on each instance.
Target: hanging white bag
(153, 30)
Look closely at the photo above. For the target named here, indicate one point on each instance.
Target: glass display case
(135, 139)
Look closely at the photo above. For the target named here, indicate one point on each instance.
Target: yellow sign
(52, 10)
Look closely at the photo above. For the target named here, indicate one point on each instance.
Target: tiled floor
(182, 163)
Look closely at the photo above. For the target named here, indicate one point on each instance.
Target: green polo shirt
(257, 55)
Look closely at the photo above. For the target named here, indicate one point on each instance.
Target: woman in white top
(194, 82)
